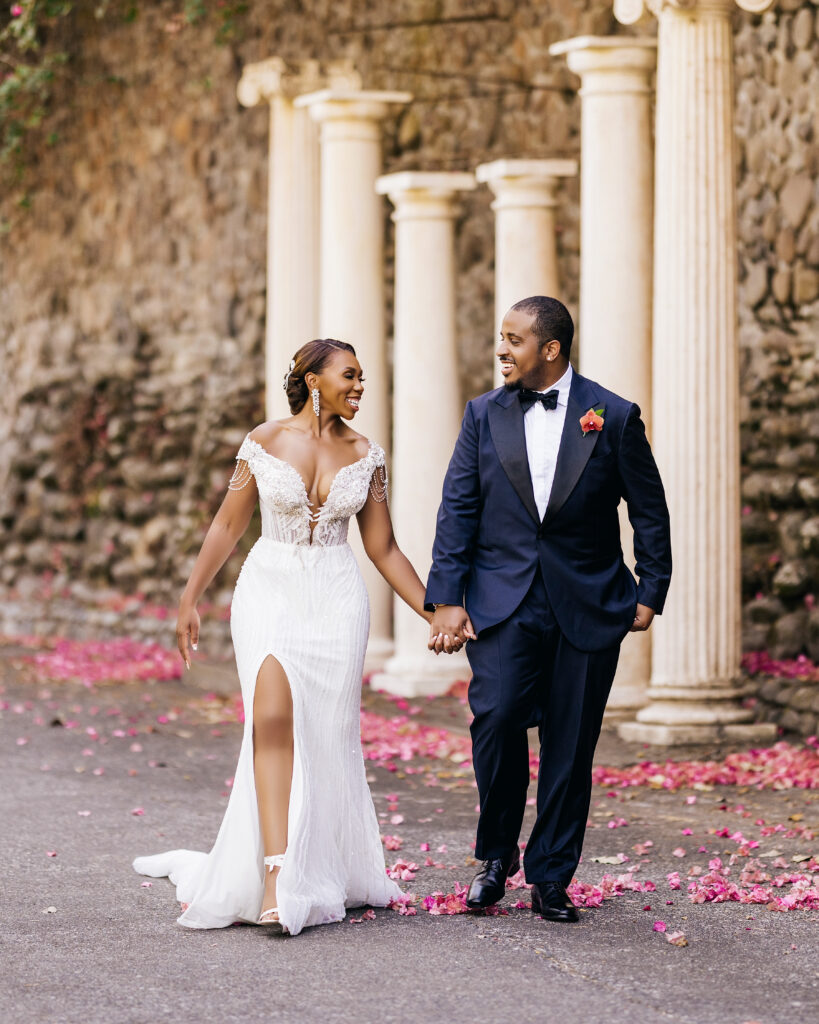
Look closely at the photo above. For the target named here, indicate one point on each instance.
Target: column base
(420, 676)
(676, 735)
(710, 713)
(379, 652)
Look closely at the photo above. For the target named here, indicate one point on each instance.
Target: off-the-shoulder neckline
(371, 445)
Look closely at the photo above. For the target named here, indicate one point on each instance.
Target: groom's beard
(515, 385)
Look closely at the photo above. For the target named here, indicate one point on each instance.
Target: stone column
(351, 305)
(525, 244)
(694, 693)
(616, 240)
(293, 215)
(426, 402)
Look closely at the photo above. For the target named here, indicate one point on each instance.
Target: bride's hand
(187, 631)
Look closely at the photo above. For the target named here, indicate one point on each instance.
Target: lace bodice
(287, 515)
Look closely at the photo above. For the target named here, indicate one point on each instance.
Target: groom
(527, 566)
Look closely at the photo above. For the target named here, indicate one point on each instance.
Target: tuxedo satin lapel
(506, 426)
(575, 446)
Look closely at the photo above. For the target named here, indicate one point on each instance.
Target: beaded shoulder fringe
(242, 476)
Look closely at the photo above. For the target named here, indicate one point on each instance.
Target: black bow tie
(548, 400)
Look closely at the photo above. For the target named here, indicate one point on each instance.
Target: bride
(299, 841)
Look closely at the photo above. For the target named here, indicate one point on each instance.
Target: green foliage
(39, 39)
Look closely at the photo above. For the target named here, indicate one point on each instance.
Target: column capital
(267, 79)
(524, 183)
(350, 104)
(629, 12)
(424, 195)
(612, 56)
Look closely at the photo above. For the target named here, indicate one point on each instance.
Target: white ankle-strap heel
(270, 917)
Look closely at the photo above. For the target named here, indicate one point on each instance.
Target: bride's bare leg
(272, 763)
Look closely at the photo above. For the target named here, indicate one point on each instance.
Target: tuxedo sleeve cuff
(431, 600)
(652, 593)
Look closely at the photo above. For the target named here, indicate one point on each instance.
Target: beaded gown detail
(299, 597)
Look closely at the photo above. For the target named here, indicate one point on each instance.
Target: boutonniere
(593, 420)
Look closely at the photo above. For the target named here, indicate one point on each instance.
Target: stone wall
(132, 291)
(777, 63)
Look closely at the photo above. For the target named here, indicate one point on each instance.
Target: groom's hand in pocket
(450, 628)
(642, 619)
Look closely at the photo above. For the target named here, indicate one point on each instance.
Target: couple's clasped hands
(449, 629)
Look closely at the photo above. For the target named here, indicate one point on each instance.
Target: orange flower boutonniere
(593, 420)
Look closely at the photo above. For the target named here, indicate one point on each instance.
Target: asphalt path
(82, 940)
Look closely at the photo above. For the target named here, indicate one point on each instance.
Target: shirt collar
(562, 386)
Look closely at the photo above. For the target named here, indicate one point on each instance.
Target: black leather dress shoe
(489, 885)
(551, 901)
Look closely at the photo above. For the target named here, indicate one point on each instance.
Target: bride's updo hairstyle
(310, 358)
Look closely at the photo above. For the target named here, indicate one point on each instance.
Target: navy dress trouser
(525, 674)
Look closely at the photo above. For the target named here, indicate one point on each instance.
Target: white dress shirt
(543, 429)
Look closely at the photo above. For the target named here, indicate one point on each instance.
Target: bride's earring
(316, 406)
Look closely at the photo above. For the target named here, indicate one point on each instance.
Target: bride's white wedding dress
(300, 598)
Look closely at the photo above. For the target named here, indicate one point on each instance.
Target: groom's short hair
(552, 321)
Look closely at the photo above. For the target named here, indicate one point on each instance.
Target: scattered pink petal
(659, 926)
(138, 812)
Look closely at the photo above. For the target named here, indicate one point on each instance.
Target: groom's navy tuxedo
(550, 599)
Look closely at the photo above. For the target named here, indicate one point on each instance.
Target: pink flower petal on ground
(679, 852)
(659, 926)
(404, 904)
(424, 847)
(146, 885)
(676, 938)
(84, 814)
(368, 915)
(138, 812)
(51, 853)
